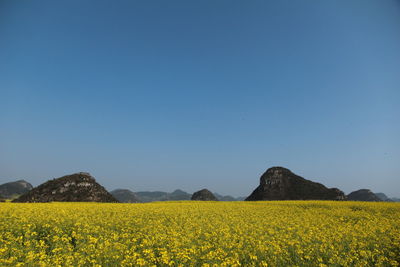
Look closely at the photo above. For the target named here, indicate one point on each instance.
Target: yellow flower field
(278, 233)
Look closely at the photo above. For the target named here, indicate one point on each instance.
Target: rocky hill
(15, 189)
(204, 195)
(279, 183)
(363, 195)
(125, 196)
(78, 187)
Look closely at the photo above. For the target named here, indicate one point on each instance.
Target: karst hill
(204, 195)
(78, 187)
(279, 183)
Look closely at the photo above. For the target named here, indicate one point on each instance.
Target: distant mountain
(383, 197)
(395, 199)
(125, 196)
(77, 187)
(14, 189)
(150, 196)
(279, 183)
(204, 195)
(363, 195)
(179, 195)
(224, 198)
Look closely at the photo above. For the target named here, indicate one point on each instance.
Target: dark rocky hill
(125, 196)
(279, 183)
(363, 195)
(15, 189)
(205, 195)
(78, 187)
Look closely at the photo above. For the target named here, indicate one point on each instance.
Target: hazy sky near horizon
(159, 95)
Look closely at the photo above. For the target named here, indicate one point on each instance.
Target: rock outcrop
(279, 183)
(78, 187)
(15, 189)
(125, 196)
(204, 195)
(363, 195)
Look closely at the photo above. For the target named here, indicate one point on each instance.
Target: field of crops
(287, 233)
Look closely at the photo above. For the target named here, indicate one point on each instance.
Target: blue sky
(159, 95)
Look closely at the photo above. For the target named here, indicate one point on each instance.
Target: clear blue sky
(159, 95)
